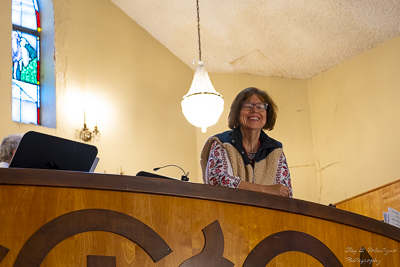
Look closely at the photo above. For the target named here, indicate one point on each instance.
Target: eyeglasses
(259, 106)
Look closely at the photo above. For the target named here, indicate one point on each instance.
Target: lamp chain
(198, 27)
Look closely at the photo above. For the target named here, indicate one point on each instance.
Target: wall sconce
(86, 135)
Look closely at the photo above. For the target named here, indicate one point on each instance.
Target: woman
(246, 157)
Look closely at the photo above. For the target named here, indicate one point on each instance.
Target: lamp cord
(198, 27)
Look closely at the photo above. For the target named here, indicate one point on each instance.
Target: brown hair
(272, 109)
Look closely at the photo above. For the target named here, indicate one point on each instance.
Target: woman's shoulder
(224, 137)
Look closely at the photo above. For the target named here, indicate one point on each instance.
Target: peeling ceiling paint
(276, 38)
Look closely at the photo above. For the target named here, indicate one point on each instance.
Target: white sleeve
(219, 169)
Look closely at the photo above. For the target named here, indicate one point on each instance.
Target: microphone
(184, 176)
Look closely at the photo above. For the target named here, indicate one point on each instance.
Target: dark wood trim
(213, 250)
(286, 241)
(365, 259)
(177, 188)
(101, 261)
(54, 232)
(3, 252)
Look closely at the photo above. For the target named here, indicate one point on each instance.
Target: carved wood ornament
(49, 235)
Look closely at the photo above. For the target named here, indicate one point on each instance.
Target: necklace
(251, 155)
(258, 146)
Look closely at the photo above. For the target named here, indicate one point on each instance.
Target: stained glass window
(26, 61)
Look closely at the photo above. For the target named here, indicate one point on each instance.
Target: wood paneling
(374, 202)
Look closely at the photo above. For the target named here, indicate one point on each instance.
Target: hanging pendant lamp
(202, 105)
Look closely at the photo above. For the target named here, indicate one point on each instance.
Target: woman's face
(253, 119)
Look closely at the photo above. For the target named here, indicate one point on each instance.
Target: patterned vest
(266, 159)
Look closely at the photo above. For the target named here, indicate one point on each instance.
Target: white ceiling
(277, 38)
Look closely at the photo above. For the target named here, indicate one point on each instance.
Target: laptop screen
(42, 151)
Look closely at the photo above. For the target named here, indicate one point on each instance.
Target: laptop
(42, 151)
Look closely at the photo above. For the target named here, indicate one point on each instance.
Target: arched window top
(25, 13)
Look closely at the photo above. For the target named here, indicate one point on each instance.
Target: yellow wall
(124, 77)
(354, 113)
(338, 128)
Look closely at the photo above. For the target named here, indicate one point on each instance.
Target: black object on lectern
(153, 175)
(42, 151)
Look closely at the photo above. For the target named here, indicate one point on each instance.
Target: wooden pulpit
(65, 218)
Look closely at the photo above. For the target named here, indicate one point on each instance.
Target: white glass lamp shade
(202, 105)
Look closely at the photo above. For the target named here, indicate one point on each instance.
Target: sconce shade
(202, 105)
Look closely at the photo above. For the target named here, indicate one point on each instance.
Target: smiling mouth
(254, 118)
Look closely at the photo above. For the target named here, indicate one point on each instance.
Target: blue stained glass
(25, 99)
(25, 57)
(25, 61)
(27, 92)
(24, 13)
